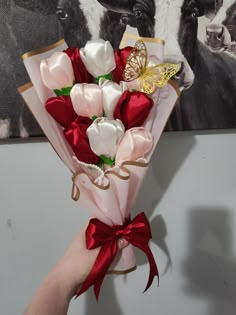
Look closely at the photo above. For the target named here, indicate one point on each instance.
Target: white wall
(190, 196)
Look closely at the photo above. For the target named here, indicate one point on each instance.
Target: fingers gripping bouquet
(103, 112)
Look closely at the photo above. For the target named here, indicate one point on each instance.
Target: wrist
(61, 282)
(52, 297)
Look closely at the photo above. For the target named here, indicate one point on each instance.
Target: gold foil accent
(21, 90)
(121, 272)
(128, 36)
(150, 77)
(25, 87)
(38, 51)
(135, 163)
(75, 194)
(124, 177)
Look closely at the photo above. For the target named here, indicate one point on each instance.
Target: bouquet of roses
(104, 112)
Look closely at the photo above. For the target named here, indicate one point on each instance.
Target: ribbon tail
(142, 244)
(152, 264)
(104, 259)
(153, 268)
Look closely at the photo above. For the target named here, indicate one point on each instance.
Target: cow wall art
(200, 34)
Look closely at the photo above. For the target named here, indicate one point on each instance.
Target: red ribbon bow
(137, 232)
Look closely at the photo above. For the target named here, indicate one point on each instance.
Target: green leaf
(107, 160)
(64, 91)
(107, 76)
(100, 164)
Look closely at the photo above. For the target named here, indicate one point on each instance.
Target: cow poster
(199, 34)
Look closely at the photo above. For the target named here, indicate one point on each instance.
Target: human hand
(63, 282)
(77, 262)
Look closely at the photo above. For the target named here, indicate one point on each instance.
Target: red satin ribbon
(137, 232)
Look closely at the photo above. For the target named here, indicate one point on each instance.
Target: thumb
(122, 243)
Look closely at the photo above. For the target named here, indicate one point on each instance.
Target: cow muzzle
(218, 38)
(185, 76)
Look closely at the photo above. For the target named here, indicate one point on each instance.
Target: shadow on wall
(106, 305)
(159, 235)
(172, 152)
(166, 161)
(210, 268)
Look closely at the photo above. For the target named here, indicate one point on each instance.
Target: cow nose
(214, 33)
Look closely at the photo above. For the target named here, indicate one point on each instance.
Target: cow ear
(45, 7)
(210, 7)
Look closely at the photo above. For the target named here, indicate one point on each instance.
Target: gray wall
(191, 206)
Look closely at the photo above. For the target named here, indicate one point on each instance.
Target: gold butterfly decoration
(150, 77)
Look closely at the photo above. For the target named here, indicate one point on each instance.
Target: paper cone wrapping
(111, 196)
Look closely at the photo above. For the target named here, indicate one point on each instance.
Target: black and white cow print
(83, 20)
(208, 103)
(221, 31)
(21, 30)
(141, 13)
(208, 80)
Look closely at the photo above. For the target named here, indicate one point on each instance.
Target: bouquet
(103, 112)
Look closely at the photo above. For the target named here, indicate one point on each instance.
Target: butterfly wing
(157, 76)
(136, 62)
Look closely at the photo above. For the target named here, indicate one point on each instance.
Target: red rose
(80, 71)
(133, 108)
(76, 136)
(121, 56)
(61, 109)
